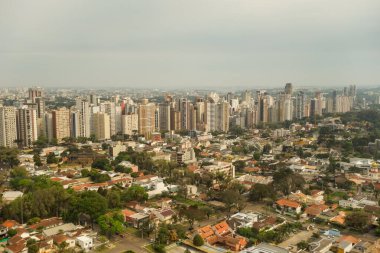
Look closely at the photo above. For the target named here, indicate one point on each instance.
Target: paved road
(128, 243)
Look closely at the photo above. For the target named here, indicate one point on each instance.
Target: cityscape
(174, 126)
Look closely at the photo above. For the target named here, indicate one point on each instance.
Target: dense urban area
(127, 170)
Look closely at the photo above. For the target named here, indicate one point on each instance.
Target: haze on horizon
(184, 44)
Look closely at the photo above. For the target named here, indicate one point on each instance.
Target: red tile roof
(288, 203)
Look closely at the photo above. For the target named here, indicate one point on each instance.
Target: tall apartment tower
(110, 109)
(300, 104)
(84, 118)
(101, 125)
(27, 132)
(33, 93)
(164, 115)
(130, 124)
(147, 113)
(8, 127)
(222, 116)
(61, 123)
(289, 88)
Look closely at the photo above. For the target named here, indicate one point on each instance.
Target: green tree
(302, 245)
(358, 220)
(135, 192)
(51, 158)
(89, 202)
(123, 169)
(286, 181)
(8, 157)
(37, 160)
(198, 240)
(232, 198)
(261, 191)
(239, 165)
(102, 164)
(111, 224)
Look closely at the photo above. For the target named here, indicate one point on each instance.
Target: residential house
(85, 242)
(221, 233)
(164, 215)
(288, 206)
(315, 210)
(346, 243)
(241, 220)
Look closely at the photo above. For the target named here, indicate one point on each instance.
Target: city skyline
(171, 44)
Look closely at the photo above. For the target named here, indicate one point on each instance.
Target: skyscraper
(27, 132)
(33, 93)
(130, 124)
(146, 112)
(84, 118)
(101, 125)
(8, 128)
(61, 123)
(164, 115)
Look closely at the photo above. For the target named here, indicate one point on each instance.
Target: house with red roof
(316, 210)
(221, 233)
(287, 206)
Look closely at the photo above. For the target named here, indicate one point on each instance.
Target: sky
(189, 44)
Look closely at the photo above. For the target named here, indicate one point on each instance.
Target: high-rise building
(222, 116)
(84, 118)
(61, 123)
(35, 92)
(110, 109)
(164, 115)
(74, 124)
(289, 88)
(130, 124)
(8, 127)
(147, 113)
(300, 103)
(101, 126)
(27, 132)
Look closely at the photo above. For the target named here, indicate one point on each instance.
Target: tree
(286, 181)
(239, 165)
(8, 157)
(90, 203)
(111, 224)
(12, 232)
(256, 156)
(98, 177)
(51, 158)
(102, 164)
(302, 245)
(135, 192)
(193, 213)
(32, 246)
(37, 160)
(198, 240)
(123, 169)
(261, 191)
(358, 220)
(114, 199)
(267, 148)
(232, 198)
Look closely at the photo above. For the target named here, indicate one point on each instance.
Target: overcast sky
(193, 43)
